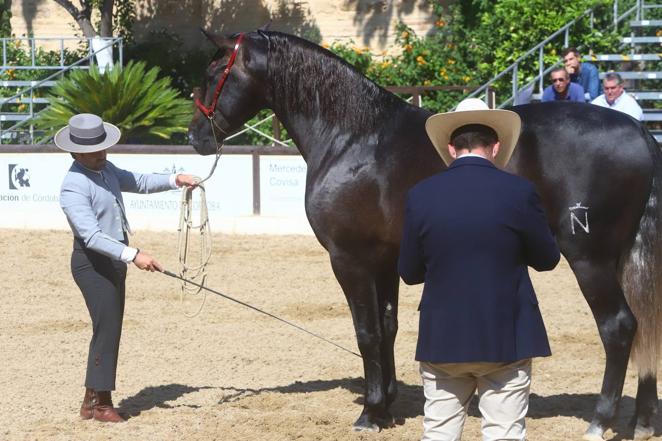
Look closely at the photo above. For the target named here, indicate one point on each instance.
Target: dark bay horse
(598, 171)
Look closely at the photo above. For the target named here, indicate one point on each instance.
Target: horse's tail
(641, 276)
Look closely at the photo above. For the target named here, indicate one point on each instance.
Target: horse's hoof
(593, 433)
(366, 427)
(643, 432)
(368, 422)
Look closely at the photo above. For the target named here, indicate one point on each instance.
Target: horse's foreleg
(617, 326)
(387, 289)
(360, 287)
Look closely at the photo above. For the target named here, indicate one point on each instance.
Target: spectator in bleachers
(583, 73)
(562, 89)
(615, 97)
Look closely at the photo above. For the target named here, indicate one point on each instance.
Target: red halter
(209, 111)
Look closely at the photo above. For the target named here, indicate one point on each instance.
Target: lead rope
(196, 272)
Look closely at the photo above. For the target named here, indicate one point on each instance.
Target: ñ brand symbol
(19, 177)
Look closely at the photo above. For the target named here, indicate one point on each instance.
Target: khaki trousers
(503, 391)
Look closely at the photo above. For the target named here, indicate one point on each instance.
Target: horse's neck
(303, 129)
(320, 127)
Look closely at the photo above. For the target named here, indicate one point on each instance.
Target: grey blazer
(92, 201)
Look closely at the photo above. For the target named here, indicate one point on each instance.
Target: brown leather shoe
(87, 408)
(104, 410)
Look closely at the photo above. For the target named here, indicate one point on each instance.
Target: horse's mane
(313, 80)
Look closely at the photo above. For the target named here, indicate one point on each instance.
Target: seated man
(562, 89)
(616, 98)
(585, 74)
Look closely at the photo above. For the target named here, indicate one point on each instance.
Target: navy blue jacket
(470, 233)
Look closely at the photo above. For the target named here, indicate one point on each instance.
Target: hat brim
(506, 124)
(64, 142)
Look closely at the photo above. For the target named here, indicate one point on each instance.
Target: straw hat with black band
(86, 133)
(506, 124)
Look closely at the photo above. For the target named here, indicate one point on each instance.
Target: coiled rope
(193, 262)
(192, 272)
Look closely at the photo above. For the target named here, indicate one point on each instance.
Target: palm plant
(142, 105)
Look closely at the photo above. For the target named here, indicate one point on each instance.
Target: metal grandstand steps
(643, 80)
(645, 23)
(652, 115)
(637, 75)
(643, 95)
(645, 40)
(624, 57)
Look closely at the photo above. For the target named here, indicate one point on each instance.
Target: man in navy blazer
(469, 235)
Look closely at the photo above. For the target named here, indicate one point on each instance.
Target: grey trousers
(102, 282)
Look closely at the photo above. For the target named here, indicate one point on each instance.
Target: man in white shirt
(616, 98)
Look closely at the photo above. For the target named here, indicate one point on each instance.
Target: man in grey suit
(91, 197)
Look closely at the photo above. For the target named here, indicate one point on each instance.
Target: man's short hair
(613, 76)
(560, 69)
(473, 136)
(568, 50)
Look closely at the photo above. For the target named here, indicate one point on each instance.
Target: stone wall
(368, 23)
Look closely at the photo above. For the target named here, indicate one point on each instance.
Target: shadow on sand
(156, 396)
(409, 403)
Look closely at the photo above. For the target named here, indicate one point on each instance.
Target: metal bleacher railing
(21, 102)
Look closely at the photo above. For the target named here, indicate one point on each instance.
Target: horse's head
(234, 89)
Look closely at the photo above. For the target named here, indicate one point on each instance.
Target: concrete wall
(368, 23)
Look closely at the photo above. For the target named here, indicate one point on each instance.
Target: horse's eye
(213, 65)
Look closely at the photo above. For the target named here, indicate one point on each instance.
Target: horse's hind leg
(617, 326)
(646, 406)
(641, 281)
(359, 283)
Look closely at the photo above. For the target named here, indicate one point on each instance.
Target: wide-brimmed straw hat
(505, 123)
(86, 133)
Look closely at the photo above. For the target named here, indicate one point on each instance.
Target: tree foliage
(5, 18)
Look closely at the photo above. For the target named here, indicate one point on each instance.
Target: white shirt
(624, 103)
(473, 155)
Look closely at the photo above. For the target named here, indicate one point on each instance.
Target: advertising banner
(282, 186)
(30, 187)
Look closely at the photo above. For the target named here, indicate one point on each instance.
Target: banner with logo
(30, 188)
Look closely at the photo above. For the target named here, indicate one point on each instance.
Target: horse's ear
(265, 27)
(218, 40)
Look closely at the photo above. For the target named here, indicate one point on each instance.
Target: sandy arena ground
(233, 374)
